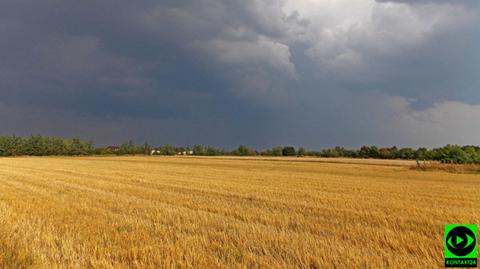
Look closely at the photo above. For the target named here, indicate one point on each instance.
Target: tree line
(37, 145)
(447, 154)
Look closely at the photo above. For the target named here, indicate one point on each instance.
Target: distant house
(155, 152)
(113, 148)
(188, 152)
(166, 152)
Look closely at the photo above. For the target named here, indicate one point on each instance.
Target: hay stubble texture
(154, 212)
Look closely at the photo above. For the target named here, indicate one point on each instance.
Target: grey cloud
(456, 2)
(256, 72)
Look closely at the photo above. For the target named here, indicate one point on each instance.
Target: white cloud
(394, 120)
(255, 53)
(349, 39)
(449, 121)
(346, 40)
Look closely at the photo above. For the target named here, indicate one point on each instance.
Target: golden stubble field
(160, 212)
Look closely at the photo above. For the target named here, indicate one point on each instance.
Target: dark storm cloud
(224, 73)
(63, 52)
(452, 2)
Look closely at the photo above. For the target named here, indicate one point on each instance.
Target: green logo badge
(461, 245)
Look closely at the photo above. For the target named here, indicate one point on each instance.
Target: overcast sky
(312, 73)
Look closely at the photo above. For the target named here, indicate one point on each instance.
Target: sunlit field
(160, 212)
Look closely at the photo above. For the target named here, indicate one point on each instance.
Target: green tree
(245, 151)
(199, 150)
(277, 151)
(168, 150)
(288, 151)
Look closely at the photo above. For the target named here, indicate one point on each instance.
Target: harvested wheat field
(159, 212)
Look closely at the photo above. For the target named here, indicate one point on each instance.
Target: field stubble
(160, 212)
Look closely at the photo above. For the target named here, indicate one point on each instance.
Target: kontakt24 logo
(461, 245)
